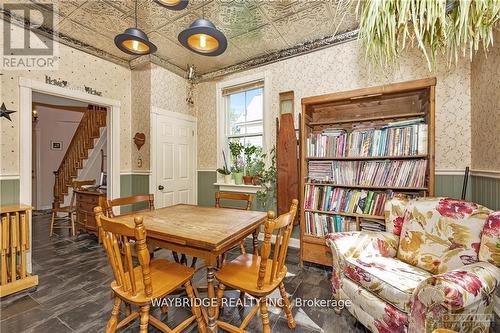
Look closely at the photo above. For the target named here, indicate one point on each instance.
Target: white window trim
(221, 118)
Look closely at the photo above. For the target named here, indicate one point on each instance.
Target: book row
(344, 200)
(387, 173)
(372, 225)
(405, 138)
(321, 224)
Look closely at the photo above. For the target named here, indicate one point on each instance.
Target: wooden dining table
(203, 232)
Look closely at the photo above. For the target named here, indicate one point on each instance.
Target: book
(321, 224)
(385, 173)
(400, 138)
(334, 199)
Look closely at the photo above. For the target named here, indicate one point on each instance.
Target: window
(244, 114)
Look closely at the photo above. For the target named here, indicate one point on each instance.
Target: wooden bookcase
(374, 106)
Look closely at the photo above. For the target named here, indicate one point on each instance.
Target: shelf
(368, 187)
(358, 158)
(375, 217)
(314, 239)
(356, 120)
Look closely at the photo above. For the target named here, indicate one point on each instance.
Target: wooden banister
(83, 140)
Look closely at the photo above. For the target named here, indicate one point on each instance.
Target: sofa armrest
(363, 243)
(468, 290)
(357, 244)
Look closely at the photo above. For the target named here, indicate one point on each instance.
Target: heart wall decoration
(139, 140)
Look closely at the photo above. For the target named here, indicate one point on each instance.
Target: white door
(175, 161)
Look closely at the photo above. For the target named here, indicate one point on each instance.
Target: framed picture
(103, 181)
(56, 145)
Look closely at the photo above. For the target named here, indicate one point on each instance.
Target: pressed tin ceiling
(258, 32)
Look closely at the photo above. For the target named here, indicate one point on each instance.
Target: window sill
(238, 188)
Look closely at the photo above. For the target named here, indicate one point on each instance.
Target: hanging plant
(386, 27)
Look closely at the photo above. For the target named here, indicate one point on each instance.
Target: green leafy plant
(249, 151)
(236, 149)
(440, 26)
(224, 170)
(257, 164)
(267, 178)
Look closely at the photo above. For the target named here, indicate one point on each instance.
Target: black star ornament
(4, 112)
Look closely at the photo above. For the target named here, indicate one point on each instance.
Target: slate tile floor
(74, 294)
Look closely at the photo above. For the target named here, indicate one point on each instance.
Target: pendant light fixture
(135, 41)
(202, 37)
(173, 4)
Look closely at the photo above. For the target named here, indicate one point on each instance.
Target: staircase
(83, 140)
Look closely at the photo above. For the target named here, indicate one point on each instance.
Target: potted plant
(225, 171)
(236, 149)
(267, 178)
(257, 166)
(249, 151)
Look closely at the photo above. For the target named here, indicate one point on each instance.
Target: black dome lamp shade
(173, 4)
(203, 38)
(135, 41)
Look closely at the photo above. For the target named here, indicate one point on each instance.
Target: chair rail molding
(9, 176)
(473, 172)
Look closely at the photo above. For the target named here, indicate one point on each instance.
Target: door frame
(26, 89)
(155, 113)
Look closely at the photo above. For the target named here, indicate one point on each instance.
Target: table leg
(255, 239)
(212, 325)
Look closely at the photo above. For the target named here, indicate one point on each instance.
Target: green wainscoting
(206, 188)
(451, 186)
(486, 191)
(9, 192)
(133, 184)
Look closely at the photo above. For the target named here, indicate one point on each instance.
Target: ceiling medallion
(203, 38)
(135, 41)
(173, 4)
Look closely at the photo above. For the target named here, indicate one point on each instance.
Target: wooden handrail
(83, 140)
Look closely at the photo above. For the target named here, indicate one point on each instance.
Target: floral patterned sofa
(437, 265)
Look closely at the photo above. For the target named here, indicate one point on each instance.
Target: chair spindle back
(233, 196)
(118, 240)
(281, 228)
(148, 198)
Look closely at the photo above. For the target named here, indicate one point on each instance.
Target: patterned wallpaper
(140, 115)
(340, 68)
(485, 86)
(78, 69)
(169, 91)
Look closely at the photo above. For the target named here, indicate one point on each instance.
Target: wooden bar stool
(139, 285)
(260, 275)
(69, 221)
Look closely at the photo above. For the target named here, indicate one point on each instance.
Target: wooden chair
(234, 196)
(149, 199)
(69, 221)
(260, 275)
(150, 279)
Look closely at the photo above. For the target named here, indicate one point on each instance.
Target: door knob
(161, 187)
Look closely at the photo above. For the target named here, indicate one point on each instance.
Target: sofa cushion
(490, 240)
(441, 234)
(390, 279)
(377, 315)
